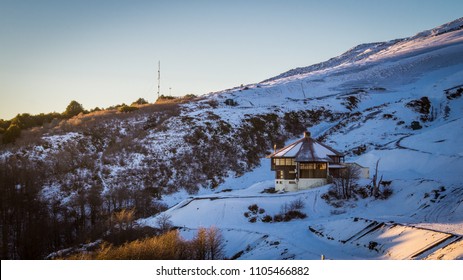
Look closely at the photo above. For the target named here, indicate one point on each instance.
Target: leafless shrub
(297, 204)
(164, 223)
(124, 219)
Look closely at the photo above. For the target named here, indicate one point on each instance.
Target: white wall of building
(305, 184)
(286, 185)
(301, 184)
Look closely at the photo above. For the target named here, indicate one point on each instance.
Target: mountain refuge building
(307, 164)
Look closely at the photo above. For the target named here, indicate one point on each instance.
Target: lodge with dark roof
(306, 164)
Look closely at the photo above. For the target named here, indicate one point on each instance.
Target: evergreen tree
(24, 121)
(11, 134)
(140, 101)
(73, 109)
(4, 124)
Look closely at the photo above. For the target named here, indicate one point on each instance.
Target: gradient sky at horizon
(103, 53)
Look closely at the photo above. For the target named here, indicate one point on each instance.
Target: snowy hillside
(398, 102)
(364, 51)
(378, 84)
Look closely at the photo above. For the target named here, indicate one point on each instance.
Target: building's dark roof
(307, 149)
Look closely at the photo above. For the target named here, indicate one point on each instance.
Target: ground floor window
(286, 174)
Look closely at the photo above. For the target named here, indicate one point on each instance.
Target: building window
(313, 170)
(284, 161)
(337, 159)
(307, 166)
(313, 166)
(321, 166)
(286, 174)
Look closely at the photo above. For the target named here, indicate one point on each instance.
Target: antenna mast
(159, 77)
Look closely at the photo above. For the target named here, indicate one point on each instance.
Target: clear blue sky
(103, 53)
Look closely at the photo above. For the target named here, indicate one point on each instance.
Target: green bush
(190, 96)
(140, 101)
(11, 134)
(126, 109)
(73, 109)
(166, 97)
(4, 124)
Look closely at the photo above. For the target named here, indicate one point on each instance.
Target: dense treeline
(10, 130)
(33, 225)
(24, 218)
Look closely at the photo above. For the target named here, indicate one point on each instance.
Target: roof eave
(285, 147)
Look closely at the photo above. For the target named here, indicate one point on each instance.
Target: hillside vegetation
(85, 168)
(65, 178)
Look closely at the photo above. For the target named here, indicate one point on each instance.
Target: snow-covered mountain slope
(381, 49)
(377, 94)
(398, 102)
(381, 89)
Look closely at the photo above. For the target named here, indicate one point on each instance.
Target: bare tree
(347, 180)
(164, 223)
(215, 243)
(375, 182)
(200, 244)
(208, 244)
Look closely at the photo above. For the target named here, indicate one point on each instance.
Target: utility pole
(159, 77)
